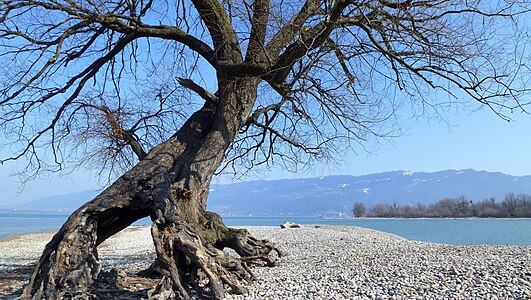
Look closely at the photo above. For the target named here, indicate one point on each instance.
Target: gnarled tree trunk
(171, 185)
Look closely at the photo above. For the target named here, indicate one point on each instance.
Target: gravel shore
(327, 262)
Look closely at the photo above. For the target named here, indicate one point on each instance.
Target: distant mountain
(331, 195)
(54, 204)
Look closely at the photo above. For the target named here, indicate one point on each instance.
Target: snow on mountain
(331, 195)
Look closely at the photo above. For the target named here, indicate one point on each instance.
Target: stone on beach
(289, 224)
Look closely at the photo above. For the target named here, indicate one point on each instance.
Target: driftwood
(289, 224)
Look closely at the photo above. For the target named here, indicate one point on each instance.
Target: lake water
(448, 231)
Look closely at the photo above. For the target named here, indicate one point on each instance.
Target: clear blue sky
(479, 140)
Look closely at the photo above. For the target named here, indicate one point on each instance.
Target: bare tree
(358, 210)
(464, 207)
(510, 204)
(126, 85)
(488, 208)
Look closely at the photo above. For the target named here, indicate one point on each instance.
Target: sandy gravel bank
(329, 262)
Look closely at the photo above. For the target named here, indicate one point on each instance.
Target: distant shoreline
(33, 212)
(58, 213)
(422, 218)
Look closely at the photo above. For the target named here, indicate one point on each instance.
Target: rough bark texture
(171, 185)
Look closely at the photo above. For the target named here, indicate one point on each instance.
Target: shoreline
(64, 213)
(423, 218)
(324, 261)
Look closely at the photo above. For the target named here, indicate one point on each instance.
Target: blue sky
(479, 140)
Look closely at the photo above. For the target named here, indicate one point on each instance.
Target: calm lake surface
(447, 231)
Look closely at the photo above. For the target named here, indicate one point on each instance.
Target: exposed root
(252, 251)
(155, 270)
(190, 266)
(183, 254)
(68, 266)
(164, 291)
(117, 284)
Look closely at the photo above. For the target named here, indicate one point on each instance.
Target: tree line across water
(512, 206)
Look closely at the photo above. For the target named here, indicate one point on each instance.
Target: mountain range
(332, 195)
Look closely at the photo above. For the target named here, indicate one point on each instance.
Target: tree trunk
(171, 185)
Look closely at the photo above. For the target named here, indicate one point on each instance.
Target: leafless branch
(189, 84)
(326, 74)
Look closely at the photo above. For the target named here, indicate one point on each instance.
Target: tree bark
(171, 186)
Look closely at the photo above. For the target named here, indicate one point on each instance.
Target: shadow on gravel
(12, 281)
(116, 284)
(113, 284)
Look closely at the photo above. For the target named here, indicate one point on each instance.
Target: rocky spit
(324, 262)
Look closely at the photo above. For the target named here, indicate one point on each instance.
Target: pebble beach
(324, 262)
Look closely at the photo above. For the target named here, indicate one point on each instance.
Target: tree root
(191, 266)
(193, 261)
(252, 251)
(68, 266)
(183, 254)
